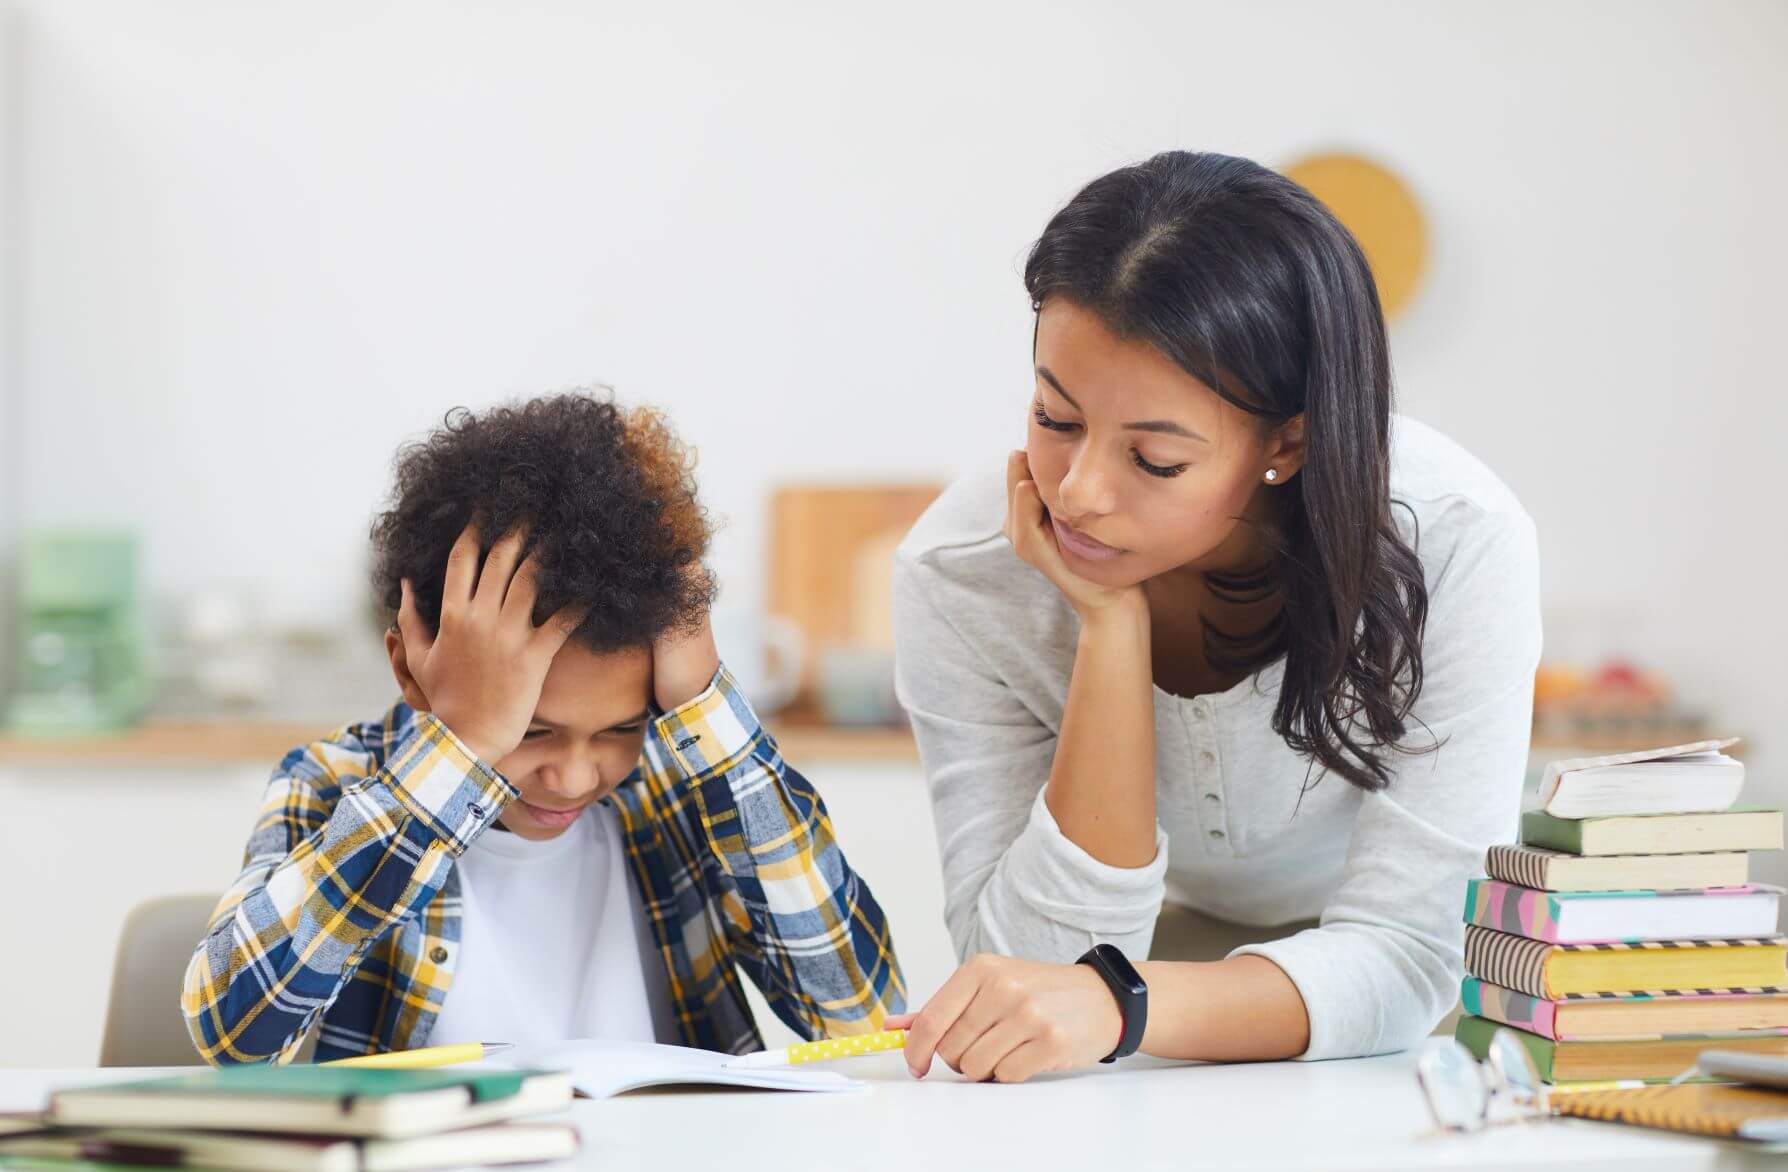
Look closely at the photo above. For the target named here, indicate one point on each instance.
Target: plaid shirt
(348, 905)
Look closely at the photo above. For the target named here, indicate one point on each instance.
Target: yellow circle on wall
(1380, 211)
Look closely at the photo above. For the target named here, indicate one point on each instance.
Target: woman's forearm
(1237, 1010)
(1102, 782)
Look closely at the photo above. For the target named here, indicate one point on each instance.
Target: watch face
(1119, 966)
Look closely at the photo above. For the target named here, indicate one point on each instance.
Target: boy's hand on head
(482, 671)
(683, 664)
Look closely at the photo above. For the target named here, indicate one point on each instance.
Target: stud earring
(1272, 475)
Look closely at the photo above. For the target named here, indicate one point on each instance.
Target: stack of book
(1622, 936)
(289, 1118)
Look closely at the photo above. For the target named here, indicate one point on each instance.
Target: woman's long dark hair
(1247, 282)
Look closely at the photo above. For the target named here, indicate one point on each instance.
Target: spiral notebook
(1716, 1109)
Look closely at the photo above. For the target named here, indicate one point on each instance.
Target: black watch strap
(1131, 992)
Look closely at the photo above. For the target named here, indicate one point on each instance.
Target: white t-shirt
(554, 943)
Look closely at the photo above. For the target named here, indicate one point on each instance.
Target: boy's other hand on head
(481, 672)
(684, 661)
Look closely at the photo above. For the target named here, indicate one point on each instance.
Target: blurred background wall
(11, 466)
(251, 248)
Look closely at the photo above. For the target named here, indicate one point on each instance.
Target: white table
(1363, 1114)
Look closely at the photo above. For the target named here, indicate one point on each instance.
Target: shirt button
(1213, 799)
(438, 954)
(477, 810)
(1208, 757)
(1216, 834)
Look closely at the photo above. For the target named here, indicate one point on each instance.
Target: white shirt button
(1217, 834)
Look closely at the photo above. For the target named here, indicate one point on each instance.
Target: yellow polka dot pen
(823, 1051)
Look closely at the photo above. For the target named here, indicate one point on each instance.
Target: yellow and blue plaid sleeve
(815, 940)
(344, 847)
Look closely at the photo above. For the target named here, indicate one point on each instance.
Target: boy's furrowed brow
(641, 717)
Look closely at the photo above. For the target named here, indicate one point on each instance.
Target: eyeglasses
(1463, 1093)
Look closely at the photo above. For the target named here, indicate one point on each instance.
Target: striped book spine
(1517, 864)
(1514, 962)
(1518, 963)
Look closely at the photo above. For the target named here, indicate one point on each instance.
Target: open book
(1681, 779)
(602, 1069)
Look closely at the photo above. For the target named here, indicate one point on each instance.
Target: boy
(572, 825)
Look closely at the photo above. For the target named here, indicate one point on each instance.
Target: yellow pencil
(427, 1056)
(805, 1052)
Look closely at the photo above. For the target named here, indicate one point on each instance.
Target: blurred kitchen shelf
(804, 735)
(165, 743)
(160, 743)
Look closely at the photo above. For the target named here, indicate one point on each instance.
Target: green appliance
(80, 644)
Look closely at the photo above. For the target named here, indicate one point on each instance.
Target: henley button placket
(1209, 780)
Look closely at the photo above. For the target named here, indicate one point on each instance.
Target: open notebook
(602, 1069)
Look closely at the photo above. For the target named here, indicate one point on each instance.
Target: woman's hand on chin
(1032, 537)
(1004, 1019)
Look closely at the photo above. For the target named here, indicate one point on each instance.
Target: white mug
(764, 652)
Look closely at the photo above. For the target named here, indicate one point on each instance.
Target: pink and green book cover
(1593, 917)
(1539, 1016)
(1533, 1014)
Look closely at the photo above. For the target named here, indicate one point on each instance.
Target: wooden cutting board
(832, 559)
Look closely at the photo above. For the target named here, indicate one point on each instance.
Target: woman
(1224, 640)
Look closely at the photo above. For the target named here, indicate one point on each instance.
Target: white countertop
(1363, 1114)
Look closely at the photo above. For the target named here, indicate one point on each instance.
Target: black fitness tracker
(1131, 992)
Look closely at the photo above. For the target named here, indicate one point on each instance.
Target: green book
(1646, 1059)
(90, 1148)
(1474, 1034)
(1742, 828)
(317, 1100)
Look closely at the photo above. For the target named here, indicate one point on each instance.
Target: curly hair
(607, 493)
